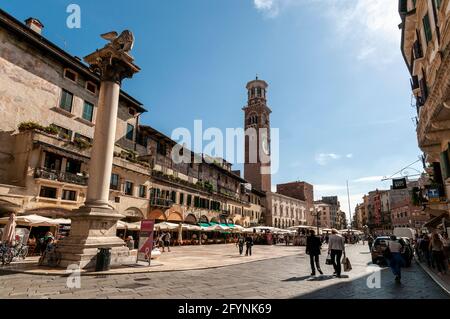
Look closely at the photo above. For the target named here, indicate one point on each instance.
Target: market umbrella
(166, 226)
(9, 232)
(32, 220)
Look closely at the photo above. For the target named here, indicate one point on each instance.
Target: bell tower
(257, 146)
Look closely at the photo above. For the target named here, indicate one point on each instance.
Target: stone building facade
(48, 104)
(425, 47)
(203, 190)
(286, 211)
(302, 191)
(324, 218)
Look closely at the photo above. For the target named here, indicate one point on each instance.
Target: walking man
(313, 246)
(370, 242)
(336, 247)
(395, 259)
(248, 244)
(165, 241)
(240, 243)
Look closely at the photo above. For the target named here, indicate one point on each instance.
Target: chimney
(35, 25)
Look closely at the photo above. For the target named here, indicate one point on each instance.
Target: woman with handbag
(393, 255)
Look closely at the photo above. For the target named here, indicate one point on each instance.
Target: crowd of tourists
(434, 250)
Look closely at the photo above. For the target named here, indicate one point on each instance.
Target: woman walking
(313, 246)
(437, 252)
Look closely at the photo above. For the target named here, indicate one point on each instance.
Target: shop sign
(399, 183)
(433, 195)
(146, 241)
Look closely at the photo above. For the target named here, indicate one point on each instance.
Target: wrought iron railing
(160, 202)
(65, 177)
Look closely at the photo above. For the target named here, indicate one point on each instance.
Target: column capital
(112, 63)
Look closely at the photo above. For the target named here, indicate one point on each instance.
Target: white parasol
(166, 226)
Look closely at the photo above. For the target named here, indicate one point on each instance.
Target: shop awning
(32, 221)
(129, 226)
(166, 226)
(436, 212)
(434, 223)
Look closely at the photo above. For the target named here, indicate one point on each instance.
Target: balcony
(161, 202)
(63, 177)
(225, 213)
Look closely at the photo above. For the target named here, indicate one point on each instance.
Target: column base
(93, 228)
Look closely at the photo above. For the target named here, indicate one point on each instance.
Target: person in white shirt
(336, 247)
(395, 259)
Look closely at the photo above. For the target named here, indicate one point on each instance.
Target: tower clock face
(265, 144)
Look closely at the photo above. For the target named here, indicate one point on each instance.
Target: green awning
(204, 224)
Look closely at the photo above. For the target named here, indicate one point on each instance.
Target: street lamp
(315, 213)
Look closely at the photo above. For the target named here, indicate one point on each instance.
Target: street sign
(399, 183)
(433, 195)
(146, 241)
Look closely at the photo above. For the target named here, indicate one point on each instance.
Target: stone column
(94, 225)
(100, 165)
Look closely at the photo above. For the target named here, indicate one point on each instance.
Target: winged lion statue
(123, 42)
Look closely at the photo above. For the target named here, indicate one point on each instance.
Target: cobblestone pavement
(285, 277)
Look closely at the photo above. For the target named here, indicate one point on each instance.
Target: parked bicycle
(6, 254)
(20, 251)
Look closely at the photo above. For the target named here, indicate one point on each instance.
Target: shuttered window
(66, 101)
(427, 28)
(88, 111)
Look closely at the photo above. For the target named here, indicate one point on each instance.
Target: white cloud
(264, 4)
(368, 28)
(324, 158)
(369, 179)
(371, 25)
(269, 7)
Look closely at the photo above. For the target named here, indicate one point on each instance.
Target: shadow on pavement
(380, 285)
(313, 278)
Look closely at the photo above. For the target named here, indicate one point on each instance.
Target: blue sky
(339, 89)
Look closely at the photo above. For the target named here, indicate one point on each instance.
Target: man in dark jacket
(248, 244)
(313, 246)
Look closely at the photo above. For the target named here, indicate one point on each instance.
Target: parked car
(380, 244)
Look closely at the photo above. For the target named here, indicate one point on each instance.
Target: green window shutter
(130, 132)
(438, 4)
(66, 101)
(88, 111)
(445, 165)
(427, 28)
